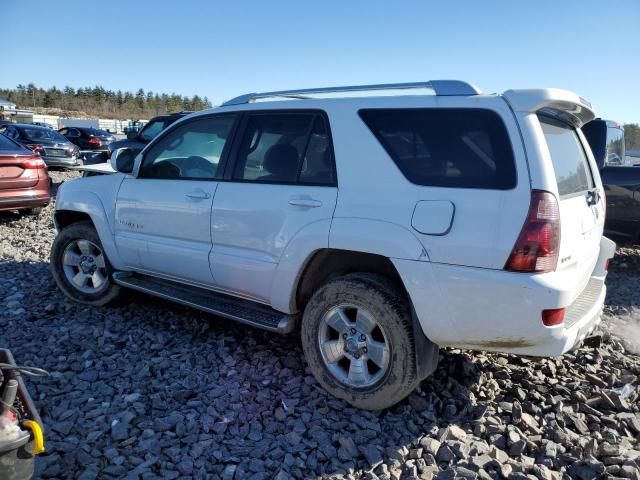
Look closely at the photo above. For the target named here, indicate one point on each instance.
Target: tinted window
(317, 165)
(6, 144)
(567, 155)
(463, 148)
(273, 147)
(151, 130)
(36, 134)
(615, 146)
(190, 151)
(96, 131)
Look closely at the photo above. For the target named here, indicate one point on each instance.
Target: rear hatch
(13, 174)
(580, 202)
(58, 150)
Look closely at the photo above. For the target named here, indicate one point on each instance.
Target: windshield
(151, 130)
(95, 131)
(38, 134)
(615, 146)
(567, 155)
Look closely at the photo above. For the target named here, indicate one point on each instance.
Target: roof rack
(440, 87)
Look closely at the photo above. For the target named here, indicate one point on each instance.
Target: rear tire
(358, 339)
(80, 267)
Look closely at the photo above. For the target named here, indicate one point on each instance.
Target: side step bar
(244, 311)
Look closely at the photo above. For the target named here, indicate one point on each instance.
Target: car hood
(127, 143)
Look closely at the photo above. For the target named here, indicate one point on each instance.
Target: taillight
(606, 264)
(39, 149)
(94, 141)
(34, 163)
(536, 249)
(553, 317)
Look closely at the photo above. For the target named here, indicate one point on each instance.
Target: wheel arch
(91, 210)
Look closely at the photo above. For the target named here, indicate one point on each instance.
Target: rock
(119, 431)
(455, 433)
(445, 454)
(430, 445)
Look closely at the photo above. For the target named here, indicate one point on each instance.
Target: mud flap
(427, 352)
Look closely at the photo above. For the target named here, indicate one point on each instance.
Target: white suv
(380, 226)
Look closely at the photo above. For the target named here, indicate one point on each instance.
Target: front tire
(357, 335)
(80, 267)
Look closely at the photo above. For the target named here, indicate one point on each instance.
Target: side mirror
(132, 134)
(123, 159)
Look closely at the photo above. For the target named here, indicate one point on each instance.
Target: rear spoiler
(563, 104)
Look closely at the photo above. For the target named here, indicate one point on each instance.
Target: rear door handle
(198, 195)
(305, 202)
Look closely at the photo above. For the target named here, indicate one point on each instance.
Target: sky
(221, 50)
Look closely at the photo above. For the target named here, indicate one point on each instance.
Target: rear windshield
(6, 144)
(36, 134)
(95, 131)
(570, 164)
(446, 147)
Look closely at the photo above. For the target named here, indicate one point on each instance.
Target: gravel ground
(147, 389)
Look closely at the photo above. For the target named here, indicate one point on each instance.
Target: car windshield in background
(151, 130)
(36, 134)
(573, 173)
(615, 146)
(6, 144)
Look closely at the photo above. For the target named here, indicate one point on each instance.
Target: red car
(24, 179)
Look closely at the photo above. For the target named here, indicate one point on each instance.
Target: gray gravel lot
(148, 389)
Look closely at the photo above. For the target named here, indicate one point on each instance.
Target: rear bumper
(492, 310)
(23, 201)
(61, 161)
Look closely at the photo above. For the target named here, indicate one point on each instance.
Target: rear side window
(572, 170)
(446, 147)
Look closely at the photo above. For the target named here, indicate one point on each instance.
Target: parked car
(633, 157)
(621, 180)
(24, 180)
(137, 139)
(87, 138)
(43, 124)
(54, 149)
(446, 231)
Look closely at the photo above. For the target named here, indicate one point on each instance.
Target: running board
(244, 311)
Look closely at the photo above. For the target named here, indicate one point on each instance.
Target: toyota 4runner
(382, 227)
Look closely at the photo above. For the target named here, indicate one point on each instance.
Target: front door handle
(198, 195)
(305, 202)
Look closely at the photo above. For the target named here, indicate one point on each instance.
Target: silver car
(55, 150)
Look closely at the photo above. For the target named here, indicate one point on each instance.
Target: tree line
(99, 102)
(632, 136)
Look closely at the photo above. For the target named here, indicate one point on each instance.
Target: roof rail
(440, 87)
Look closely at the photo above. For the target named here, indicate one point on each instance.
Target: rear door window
(289, 148)
(446, 147)
(570, 164)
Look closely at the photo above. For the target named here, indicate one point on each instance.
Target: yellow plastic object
(38, 437)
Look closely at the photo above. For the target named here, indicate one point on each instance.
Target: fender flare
(376, 236)
(92, 206)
